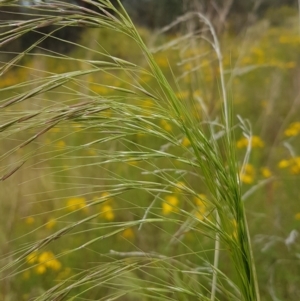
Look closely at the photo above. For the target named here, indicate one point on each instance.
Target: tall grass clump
(133, 190)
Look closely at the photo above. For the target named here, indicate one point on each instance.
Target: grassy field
(104, 191)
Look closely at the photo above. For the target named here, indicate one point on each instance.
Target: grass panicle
(137, 173)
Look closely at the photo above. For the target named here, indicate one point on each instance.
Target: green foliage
(154, 14)
(279, 16)
(121, 176)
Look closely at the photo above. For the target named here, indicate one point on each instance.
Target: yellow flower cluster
(43, 261)
(60, 144)
(266, 172)
(187, 67)
(107, 211)
(293, 129)
(185, 142)
(170, 204)
(76, 203)
(128, 233)
(289, 39)
(166, 125)
(14, 77)
(29, 220)
(256, 142)
(179, 187)
(51, 223)
(147, 106)
(182, 94)
(293, 164)
(148, 103)
(248, 175)
(162, 61)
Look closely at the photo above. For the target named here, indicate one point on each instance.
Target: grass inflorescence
(120, 170)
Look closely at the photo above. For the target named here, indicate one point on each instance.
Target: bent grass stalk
(116, 119)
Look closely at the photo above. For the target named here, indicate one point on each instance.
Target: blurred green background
(260, 42)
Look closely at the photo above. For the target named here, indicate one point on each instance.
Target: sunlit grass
(120, 177)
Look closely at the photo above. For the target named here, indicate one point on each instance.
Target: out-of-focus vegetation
(231, 16)
(61, 181)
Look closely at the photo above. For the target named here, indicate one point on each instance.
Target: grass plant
(130, 190)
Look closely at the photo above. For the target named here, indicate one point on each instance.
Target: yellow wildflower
(148, 103)
(197, 93)
(257, 51)
(107, 212)
(185, 142)
(179, 187)
(200, 199)
(169, 205)
(293, 129)
(54, 264)
(51, 223)
(182, 94)
(249, 169)
(254, 140)
(60, 144)
(45, 256)
(293, 164)
(147, 106)
(243, 142)
(128, 233)
(166, 125)
(106, 196)
(144, 78)
(284, 163)
(297, 216)
(295, 167)
(162, 61)
(257, 142)
(247, 176)
(29, 220)
(246, 179)
(188, 67)
(289, 39)
(47, 259)
(76, 204)
(246, 60)
(32, 258)
(265, 171)
(40, 269)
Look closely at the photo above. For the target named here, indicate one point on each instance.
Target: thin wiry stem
(216, 260)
